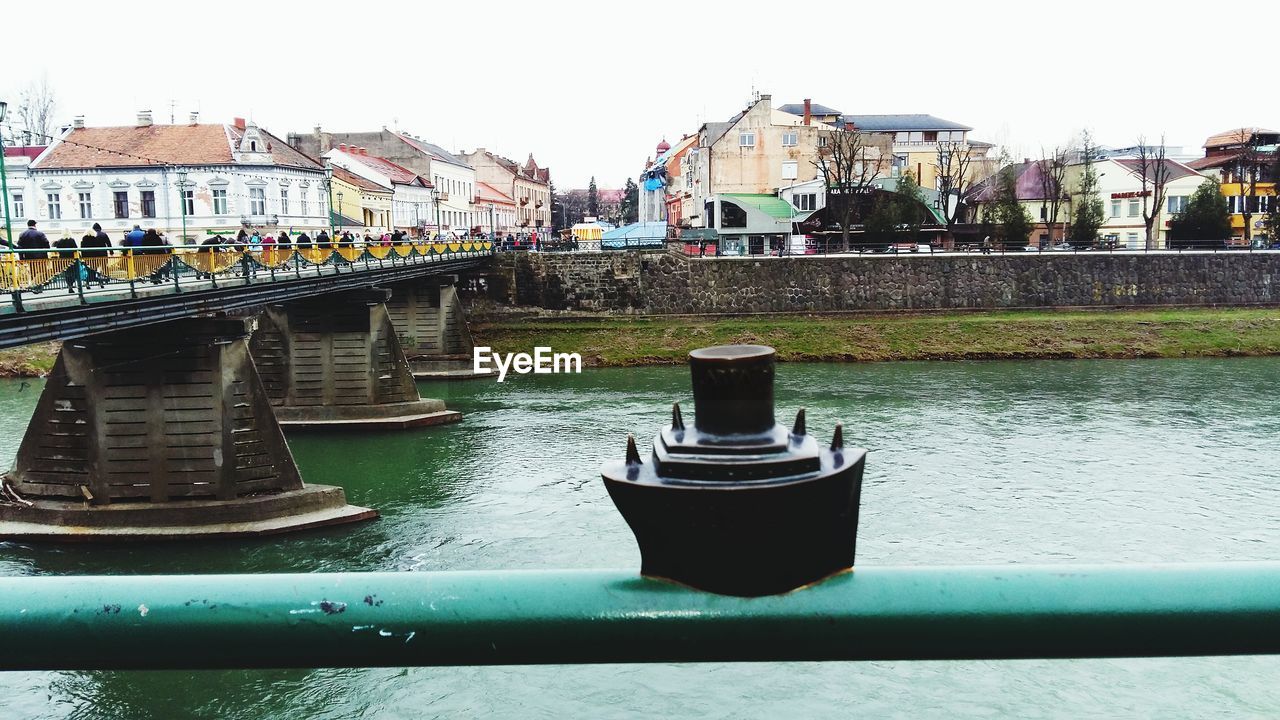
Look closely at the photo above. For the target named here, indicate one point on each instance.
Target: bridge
(163, 414)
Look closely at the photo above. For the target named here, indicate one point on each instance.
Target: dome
(663, 146)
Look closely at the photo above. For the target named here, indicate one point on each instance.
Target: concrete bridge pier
(432, 325)
(163, 431)
(335, 362)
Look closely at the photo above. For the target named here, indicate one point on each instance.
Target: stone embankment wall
(666, 283)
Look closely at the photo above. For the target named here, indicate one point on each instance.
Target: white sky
(591, 87)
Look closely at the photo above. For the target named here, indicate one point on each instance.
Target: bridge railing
(77, 270)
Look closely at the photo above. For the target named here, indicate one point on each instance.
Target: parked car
(924, 247)
(1062, 247)
(1031, 248)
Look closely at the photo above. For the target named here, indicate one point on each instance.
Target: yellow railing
(34, 270)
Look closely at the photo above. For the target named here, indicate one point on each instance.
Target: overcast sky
(591, 87)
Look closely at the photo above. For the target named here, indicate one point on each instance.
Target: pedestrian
(303, 241)
(153, 244)
(101, 245)
(242, 237)
(283, 240)
(322, 240)
(986, 245)
(32, 239)
(386, 240)
(255, 241)
(134, 238)
(67, 251)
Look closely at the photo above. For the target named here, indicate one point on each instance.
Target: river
(1029, 462)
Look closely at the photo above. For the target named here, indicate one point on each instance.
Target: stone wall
(662, 283)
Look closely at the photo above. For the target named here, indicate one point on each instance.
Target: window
(805, 201)
(901, 137)
(747, 138)
(284, 201)
(931, 136)
(1133, 241)
(916, 137)
(1134, 205)
(1044, 213)
(790, 168)
(1115, 208)
(1264, 203)
(220, 201)
(120, 200)
(1177, 203)
(19, 207)
(732, 216)
(303, 200)
(257, 201)
(189, 202)
(790, 139)
(822, 141)
(148, 204)
(55, 205)
(86, 205)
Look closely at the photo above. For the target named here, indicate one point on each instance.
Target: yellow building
(1241, 160)
(359, 204)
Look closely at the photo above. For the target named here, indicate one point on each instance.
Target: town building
(665, 191)
(528, 185)
(497, 211)
(359, 204)
(411, 197)
(210, 178)
(17, 161)
(1244, 162)
(453, 179)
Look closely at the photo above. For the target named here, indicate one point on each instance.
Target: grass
(1162, 333)
(28, 360)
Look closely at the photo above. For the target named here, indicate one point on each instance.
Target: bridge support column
(335, 362)
(157, 432)
(432, 325)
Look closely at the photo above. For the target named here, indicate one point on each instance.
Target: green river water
(1031, 462)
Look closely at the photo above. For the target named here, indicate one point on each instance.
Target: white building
(411, 199)
(212, 178)
(1120, 187)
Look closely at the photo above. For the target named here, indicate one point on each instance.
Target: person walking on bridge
(134, 238)
(32, 239)
(67, 251)
(101, 248)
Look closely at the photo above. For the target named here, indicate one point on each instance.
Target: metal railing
(26, 273)
(833, 246)
(597, 616)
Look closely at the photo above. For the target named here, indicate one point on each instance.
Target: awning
(648, 234)
(771, 205)
(340, 220)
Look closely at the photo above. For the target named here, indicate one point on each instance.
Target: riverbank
(1171, 333)
(28, 360)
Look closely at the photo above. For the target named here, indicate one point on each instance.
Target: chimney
(848, 126)
(1026, 161)
(364, 150)
(144, 118)
(808, 112)
(239, 123)
(342, 147)
(195, 117)
(78, 122)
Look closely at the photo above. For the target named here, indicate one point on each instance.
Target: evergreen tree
(1205, 221)
(558, 216)
(880, 226)
(1090, 213)
(1014, 221)
(910, 211)
(593, 201)
(630, 202)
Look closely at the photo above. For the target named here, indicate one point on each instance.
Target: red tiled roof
(488, 193)
(1205, 163)
(351, 178)
(1235, 136)
(395, 172)
(133, 146)
(151, 145)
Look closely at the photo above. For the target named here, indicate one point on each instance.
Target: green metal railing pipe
(534, 617)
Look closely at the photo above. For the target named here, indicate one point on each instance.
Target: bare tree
(1053, 175)
(1153, 171)
(956, 176)
(1249, 166)
(849, 162)
(36, 106)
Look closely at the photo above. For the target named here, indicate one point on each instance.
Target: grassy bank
(28, 360)
(943, 336)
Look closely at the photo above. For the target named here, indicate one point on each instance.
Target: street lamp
(435, 199)
(4, 180)
(337, 211)
(328, 189)
(182, 200)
